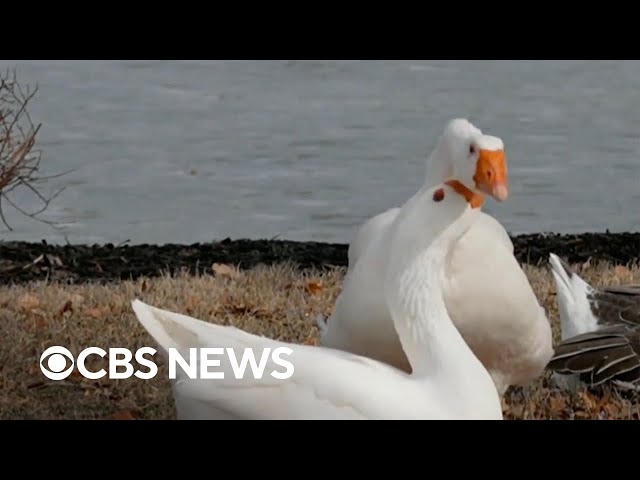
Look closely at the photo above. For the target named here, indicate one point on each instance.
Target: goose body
(600, 331)
(447, 381)
(487, 294)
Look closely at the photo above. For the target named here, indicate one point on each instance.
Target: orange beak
(491, 174)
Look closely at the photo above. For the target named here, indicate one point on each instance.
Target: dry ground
(275, 301)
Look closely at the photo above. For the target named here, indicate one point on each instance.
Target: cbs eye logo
(54, 367)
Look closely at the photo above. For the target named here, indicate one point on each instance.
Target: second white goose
(447, 382)
(487, 294)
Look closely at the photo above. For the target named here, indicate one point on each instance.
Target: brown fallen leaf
(314, 287)
(67, 307)
(28, 302)
(94, 312)
(122, 415)
(225, 270)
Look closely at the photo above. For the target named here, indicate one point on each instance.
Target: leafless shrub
(19, 160)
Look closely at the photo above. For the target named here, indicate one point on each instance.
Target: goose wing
(605, 355)
(326, 383)
(632, 290)
(613, 305)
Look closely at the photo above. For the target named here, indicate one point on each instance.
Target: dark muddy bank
(22, 262)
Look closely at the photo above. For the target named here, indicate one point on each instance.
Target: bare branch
(19, 161)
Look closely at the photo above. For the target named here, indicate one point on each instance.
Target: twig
(19, 161)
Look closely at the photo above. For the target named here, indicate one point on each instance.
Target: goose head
(476, 161)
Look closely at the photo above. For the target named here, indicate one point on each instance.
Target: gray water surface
(189, 151)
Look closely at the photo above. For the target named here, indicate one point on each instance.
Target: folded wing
(610, 354)
(325, 384)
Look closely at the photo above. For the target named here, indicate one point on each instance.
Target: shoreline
(22, 262)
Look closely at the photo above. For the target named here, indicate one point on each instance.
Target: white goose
(447, 382)
(487, 294)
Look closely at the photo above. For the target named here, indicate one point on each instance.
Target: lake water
(191, 151)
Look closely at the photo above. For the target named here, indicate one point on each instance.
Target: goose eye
(472, 149)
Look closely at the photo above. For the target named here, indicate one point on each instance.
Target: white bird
(447, 381)
(487, 294)
(600, 331)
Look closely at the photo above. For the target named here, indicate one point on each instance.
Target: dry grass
(275, 301)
